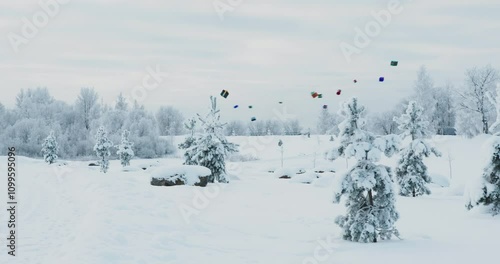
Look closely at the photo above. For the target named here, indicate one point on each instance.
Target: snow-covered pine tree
(211, 147)
(411, 172)
(102, 148)
(125, 151)
(368, 186)
(188, 142)
(490, 195)
(50, 148)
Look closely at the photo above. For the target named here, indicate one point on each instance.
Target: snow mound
(307, 177)
(440, 180)
(189, 174)
(324, 181)
(149, 164)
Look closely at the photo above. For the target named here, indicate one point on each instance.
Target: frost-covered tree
(211, 147)
(125, 151)
(87, 105)
(327, 123)
(102, 148)
(474, 98)
(445, 114)
(368, 186)
(50, 148)
(411, 172)
(292, 127)
(235, 128)
(121, 103)
(425, 96)
(188, 142)
(490, 195)
(383, 123)
(170, 121)
(494, 128)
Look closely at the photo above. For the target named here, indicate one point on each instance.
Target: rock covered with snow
(180, 175)
(288, 173)
(324, 168)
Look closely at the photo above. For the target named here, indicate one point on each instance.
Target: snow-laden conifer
(367, 186)
(211, 147)
(50, 148)
(125, 151)
(102, 148)
(490, 183)
(411, 172)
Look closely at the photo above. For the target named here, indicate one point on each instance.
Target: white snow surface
(73, 214)
(191, 173)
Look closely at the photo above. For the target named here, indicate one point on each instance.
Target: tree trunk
(370, 200)
(485, 124)
(370, 197)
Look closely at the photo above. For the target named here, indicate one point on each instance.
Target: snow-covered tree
(50, 148)
(474, 98)
(368, 186)
(292, 127)
(125, 151)
(411, 172)
(490, 195)
(425, 96)
(235, 128)
(102, 148)
(188, 142)
(326, 123)
(383, 123)
(211, 147)
(170, 121)
(121, 103)
(494, 128)
(445, 114)
(87, 105)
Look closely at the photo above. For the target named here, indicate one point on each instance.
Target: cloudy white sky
(262, 52)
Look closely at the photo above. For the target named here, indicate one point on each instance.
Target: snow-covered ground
(75, 214)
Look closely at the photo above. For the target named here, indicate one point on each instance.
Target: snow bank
(189, 174)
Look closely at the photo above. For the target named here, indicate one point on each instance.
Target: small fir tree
(50, 148)
(211, 147)
(125, 151)
(102, 148)
(368, 186)
(188, 142)
(411, 172)
(490, 195)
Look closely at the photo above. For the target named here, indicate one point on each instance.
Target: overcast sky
(262, 51)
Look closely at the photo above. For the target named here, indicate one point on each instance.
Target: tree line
(467, 109)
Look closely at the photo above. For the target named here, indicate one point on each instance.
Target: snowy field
(74, 214)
